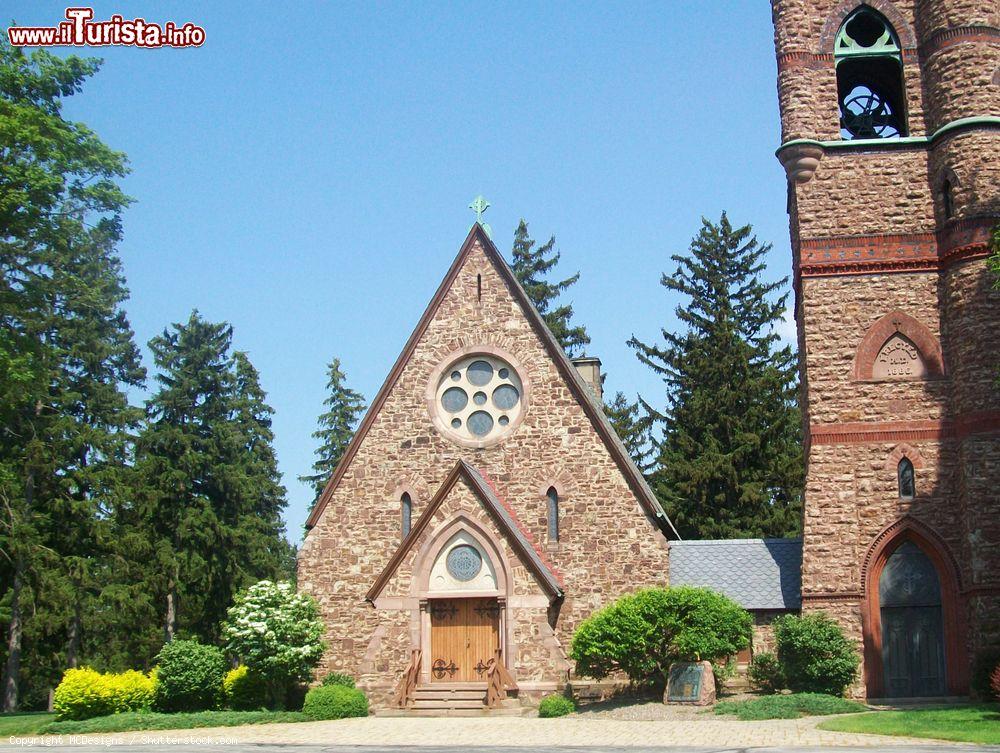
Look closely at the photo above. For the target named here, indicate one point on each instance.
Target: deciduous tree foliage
(532, 266)
(344, 408)
(730, 461)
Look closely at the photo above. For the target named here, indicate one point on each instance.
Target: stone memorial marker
(690, 682)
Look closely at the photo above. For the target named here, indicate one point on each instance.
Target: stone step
(455, 694)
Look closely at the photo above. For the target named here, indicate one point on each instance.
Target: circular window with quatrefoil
(477, 399)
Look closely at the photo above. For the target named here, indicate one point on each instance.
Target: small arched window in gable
(869, 64)
(553, 513)
(947, 199)
(907, 479)
(406, 512)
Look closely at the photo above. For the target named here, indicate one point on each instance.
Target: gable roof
(518, 536)
(580, 390)
(755, 573)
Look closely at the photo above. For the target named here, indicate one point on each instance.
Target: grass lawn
(45, 724)
(24, 724)
(788, 706)
(967, 724)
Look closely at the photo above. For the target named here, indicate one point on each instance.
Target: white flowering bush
(275, 632)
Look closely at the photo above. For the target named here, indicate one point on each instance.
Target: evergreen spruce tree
(730, 461)
(344, 408)
(212, 494)
(66, 359)
(633, 428)
(531, 266)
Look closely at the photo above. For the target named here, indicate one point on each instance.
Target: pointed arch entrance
(461, 578)
(914, 635)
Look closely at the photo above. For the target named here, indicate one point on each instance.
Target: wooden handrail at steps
(408, 682)
(498, 682)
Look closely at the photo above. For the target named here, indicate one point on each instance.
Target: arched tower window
(869, 65)
(406, 512)
(553, 510)
(947, 200)
(907, 479)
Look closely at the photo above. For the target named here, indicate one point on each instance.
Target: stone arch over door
(888, 542)
(462, 529)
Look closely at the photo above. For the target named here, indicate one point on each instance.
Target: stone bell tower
(890, 128)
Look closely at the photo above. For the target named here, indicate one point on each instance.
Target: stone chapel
(486, 506)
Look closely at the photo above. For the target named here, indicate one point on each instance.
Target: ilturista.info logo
(80, 30)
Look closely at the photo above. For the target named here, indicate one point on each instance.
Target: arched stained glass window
(907, 479)
(406, 510)
(553, 513)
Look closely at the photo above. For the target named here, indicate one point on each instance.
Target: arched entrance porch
(912, 615)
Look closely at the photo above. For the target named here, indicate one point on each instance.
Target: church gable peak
(479, 391)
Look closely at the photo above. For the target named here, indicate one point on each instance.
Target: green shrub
(335, 702)
(244, 690)
(643, 633)
(85, 693)
(815, 655)
(765, 673)
(986, 661)
(788, 706)
(338, 678)
(189, 677)
(555, 705)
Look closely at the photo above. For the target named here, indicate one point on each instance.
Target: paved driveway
(498, 734)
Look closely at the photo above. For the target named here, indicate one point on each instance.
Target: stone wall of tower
(871, 236)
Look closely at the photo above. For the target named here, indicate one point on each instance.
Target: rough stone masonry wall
(607, 546)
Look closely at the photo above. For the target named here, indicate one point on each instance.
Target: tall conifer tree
(344, 408)
(532, 266)
(212, 496)
(730, 461)
(633, 426)
(66, 358)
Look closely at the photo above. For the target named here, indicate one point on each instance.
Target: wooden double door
(465, 636)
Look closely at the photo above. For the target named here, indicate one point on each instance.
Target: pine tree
(212, 493)
(66, 359)
(633, 428)
(730, 461)
(531, 266)
(336, 427)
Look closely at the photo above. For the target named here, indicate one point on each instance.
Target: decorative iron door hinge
(440, 669)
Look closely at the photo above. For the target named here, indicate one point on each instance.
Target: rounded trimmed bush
(338, 678)
(765, 673)
(986, 661)
(335, 702)
(189, 677)
(555, 705)
(815, 655)
(244, 690)
(85, 693)
(643, 633)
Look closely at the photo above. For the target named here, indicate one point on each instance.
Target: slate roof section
(755, 573)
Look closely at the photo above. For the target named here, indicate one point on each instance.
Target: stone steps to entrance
(454, 699)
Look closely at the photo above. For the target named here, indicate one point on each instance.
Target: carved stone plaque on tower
(898, 359)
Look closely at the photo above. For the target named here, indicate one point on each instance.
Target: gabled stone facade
(898, 327)
(611, 534)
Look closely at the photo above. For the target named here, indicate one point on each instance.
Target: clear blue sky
(305, 174)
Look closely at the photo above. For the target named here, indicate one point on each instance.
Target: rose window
(479, 398)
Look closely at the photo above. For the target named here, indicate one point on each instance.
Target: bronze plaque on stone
(685, 683)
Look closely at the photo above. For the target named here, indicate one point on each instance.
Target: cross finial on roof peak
(479, 205)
